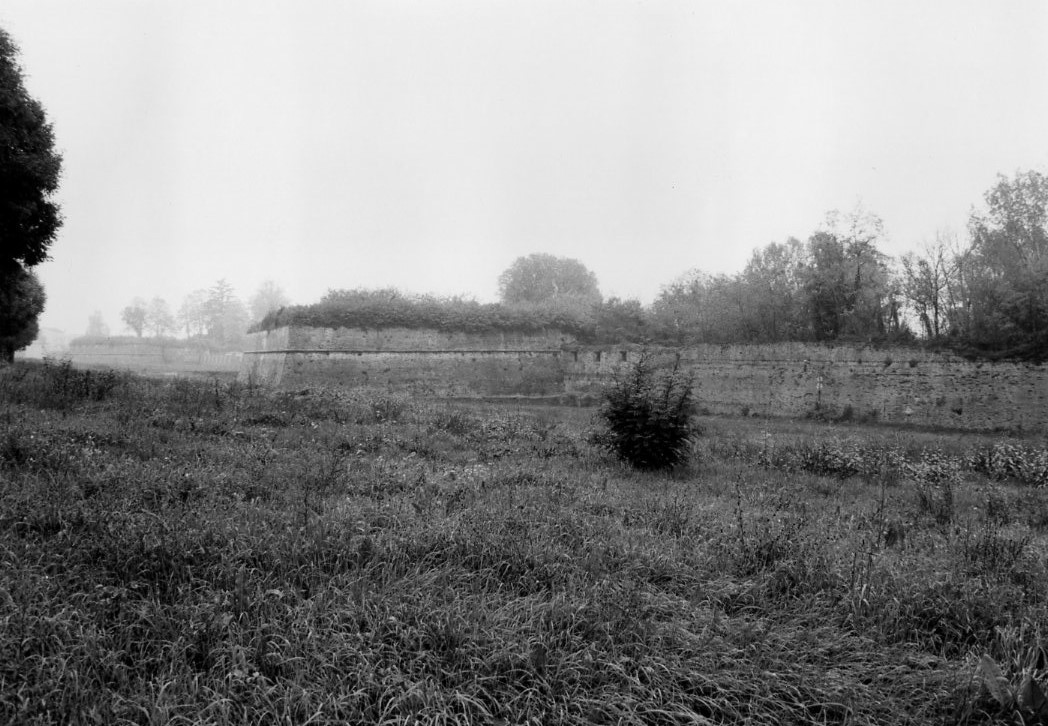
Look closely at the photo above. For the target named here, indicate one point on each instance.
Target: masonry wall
(895, 385)
(407, 339)
(152, 357)
(440, 373)
(417, 361)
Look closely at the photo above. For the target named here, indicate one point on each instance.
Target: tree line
(986, 294)
(215, 316)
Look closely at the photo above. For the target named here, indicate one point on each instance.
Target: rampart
(152, 356)
(424, 362)
(895, 385)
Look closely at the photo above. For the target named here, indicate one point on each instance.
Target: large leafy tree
(827, 284)
(29, 218)
(1009, 266)
(773, 282)
(21, 300)
(29, 168)
(541, 278)
(852, 289)
(701, 308)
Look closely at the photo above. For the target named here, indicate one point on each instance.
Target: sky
(427, 145)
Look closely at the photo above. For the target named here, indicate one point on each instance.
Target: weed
(992, 553)
(935, 478)
(1024, 464)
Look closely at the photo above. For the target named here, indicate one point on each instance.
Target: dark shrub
(646, 416)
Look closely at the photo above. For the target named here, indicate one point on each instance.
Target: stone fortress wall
(150, 357)
(894, 385)
(422, 362)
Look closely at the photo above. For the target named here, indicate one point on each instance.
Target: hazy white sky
(427, 145)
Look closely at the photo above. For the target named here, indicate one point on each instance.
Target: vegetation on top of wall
(390, 308)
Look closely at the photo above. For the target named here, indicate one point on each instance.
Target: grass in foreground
(198, 552)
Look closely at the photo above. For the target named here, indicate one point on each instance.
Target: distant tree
(96, 326)
(22, 300)
(29, 173)
(225, 317)
(159, 318)
(540, 278)
(268, 298)
(851, 287)
(932, 284)
(135, 316)
(827, 285)
(192, 315)
(1008, 266)
(700, 308)
(622, 321)
(773, 282)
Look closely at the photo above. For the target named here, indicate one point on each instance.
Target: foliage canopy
(541, 278)
(29, 219)
(29, 169)
(22, 300)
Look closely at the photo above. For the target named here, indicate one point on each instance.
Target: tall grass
(204, 552)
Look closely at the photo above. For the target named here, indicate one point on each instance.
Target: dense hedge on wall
(376, 309)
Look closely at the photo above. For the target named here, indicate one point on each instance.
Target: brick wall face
(892, 385)
(407, 339)
(154, 357)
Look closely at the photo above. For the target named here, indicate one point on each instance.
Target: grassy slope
(186, 551)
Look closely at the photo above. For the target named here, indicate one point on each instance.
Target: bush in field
(841, 458)
(57, 384)
(1011, 461)
(646, 417)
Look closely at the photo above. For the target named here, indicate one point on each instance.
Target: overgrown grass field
(177, 552)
